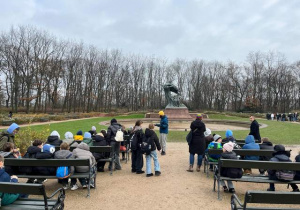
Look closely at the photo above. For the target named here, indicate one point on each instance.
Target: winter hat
(68, 135)
(279, 148)
(228, 146)
(79, 132)
(161, 113)
(55, 133)
(87, 135)
(228, 133)
(12, 127)
(207, 132)
(48, 148)
(113, 121)
(199, 116)
(216, 137)
(93, 128)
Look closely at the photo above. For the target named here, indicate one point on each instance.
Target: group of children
(229, 143)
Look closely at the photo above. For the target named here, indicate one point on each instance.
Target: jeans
(163, 141)
(200, 157)
(115, 154)
(153, 155)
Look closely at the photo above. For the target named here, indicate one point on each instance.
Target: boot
(198, 168)
(190, 169)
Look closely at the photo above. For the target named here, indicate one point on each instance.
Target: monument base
(178, 113)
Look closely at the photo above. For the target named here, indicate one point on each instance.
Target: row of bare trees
(39, 72)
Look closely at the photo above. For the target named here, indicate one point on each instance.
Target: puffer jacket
(280, 156)
(250, 144)
(31, 153)
(41, 170)
(54, 141)
(7, 198)
(100, 141)
(230, 172)
(83, 152)
(112, 131)
(154, 139)
(11, 170)
(64, 154)
(88, 141)
(163, 125)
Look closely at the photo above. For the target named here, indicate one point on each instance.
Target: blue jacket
(250, 144)
(7, 198)
(164, 125)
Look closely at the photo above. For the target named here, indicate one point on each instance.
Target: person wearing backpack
(280, 155)
(9, 135)
(154, 142)
(110, 137)
(64, 153)
(137, 155)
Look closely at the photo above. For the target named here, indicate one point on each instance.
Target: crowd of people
(292, 117)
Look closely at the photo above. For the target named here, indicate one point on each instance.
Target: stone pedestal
(177, 113)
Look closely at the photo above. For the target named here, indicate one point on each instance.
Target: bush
(27, 135)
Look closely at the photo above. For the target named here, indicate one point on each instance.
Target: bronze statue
(172, 100)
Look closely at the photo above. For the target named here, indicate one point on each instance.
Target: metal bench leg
(88, 188)
(219, 190)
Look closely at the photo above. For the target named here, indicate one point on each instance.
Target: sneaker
(225, 189)
(157, 173)
(84, 186)
(133, 170)
(140, 172)
(100, 169)
(74, 187)
(296, 190)
(66, 187)
(163, 153)
(92, 185)
(232, 190)
(148, 175)
(271, 189)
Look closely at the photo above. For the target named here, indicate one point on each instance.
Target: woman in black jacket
(137, 155)
(198, 143)
(149, 133)
(100, 141)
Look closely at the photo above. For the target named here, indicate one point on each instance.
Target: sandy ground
(174, 189)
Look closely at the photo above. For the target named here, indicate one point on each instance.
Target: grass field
(279, 132)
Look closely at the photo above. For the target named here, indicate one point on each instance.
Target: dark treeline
(40, 72)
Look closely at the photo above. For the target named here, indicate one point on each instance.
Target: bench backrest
(97, 149)
(259, 164)
(46, 162)
(269, 197)
(31, 189)
(244, 152)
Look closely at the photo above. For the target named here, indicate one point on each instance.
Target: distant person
(10, 114)
(54, 139)
(9, 135)
(272, 116)
(163, 130)
(278, 116)
(254, 129)
(197, 145)
(93, 131)
(283, 117)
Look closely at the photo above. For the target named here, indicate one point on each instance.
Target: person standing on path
(254, 129)
(198, 144)
(163, 130)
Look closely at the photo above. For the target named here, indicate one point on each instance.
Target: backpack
(146, 145)
(119, 135)
(285, 175)
(134, 142)
(63, 172)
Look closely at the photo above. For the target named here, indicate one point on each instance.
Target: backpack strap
(69, 156)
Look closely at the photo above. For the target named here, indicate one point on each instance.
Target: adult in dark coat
(254, 129)
(100, 141)
(198, 143)
(111, 134)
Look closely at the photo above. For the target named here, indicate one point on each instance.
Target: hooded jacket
(279, 156)
(112, 131)
(154, 139)
(5, 137)
(64, 154)
(250, 144)
(41, 170)
(230, 172)
(31, 153)
(7, 198)
(83, 152)
(54, 141)
(100, 141)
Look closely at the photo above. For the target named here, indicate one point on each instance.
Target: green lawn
(278, 132)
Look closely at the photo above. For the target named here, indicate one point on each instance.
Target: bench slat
(46, 162)
(273, 197)
(15, 207)
(32, 189)
(35, 202)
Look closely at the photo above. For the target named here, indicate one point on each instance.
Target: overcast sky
(207, 29)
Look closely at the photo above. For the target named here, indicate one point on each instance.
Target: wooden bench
(239, 152)
(98, 149)
(54, 163)
(254, 164)
(32, 203)
(265, 197)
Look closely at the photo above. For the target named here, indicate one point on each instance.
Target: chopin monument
(174, 109)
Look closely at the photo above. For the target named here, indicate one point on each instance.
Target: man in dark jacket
(110, 137)
(254, 129)
(280, 155)
(163, 130)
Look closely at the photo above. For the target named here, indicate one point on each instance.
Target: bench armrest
(61, 190)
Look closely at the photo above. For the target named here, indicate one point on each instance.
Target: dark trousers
(137, 160)
(274, 177)
(65, 181)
